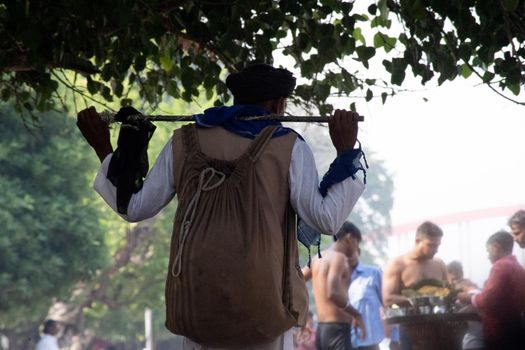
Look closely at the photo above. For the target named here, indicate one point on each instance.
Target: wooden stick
(109, 117)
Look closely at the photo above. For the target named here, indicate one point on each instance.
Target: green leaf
(325, 109)
(209, 94)
(187, 78)
(379, 21)
(383, 97)
(322, 91)
(398, 71)
(93, 86)
(360, 17)
(465, 71)
(131, 78)
(369, 95)
(488, 76)
(166, 62)
(383, 40)
(464, 52)
(358, 36)
(383, 9)
(365, 52)
(140, 62)
(118, 88)
(106, 93)
(378, 40)
(515, 88)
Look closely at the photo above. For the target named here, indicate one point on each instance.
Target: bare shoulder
(332, 258)
(439, 262)
(395, 265)
(323, 260)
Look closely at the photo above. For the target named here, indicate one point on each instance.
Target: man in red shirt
(502, 300)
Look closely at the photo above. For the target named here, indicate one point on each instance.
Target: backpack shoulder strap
(190, 140)
(260, 142)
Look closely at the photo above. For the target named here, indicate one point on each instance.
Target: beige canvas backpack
(234, 278)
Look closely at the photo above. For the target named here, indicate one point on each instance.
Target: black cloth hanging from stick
(129, 165)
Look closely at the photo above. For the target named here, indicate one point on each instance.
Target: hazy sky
(462, 150)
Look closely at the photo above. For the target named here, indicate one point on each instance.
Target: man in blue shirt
(365, 295)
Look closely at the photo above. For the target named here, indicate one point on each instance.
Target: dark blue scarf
(226, 117)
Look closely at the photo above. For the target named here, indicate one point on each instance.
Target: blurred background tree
(51, 233)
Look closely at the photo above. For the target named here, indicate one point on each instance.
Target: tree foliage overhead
(183, 48)
(462, 37)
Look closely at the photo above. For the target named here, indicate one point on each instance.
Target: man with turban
(285, 176)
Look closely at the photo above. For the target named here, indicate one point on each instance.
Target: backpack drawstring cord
(205, 178)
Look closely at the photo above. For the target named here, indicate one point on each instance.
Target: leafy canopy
(183, 48)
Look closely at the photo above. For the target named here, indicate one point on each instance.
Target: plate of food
(431, 295)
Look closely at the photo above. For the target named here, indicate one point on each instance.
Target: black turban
(260, 82)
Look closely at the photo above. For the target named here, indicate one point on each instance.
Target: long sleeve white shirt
(323, 214)
(47, 342)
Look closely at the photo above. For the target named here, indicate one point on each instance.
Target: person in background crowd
(502, 300)
(365, 295)
(49, 340)
(416, 265)
(304, 337)
(517, 227)
(456, 277)
(473, 338)
(331, 275)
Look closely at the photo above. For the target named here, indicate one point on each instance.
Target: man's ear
(282, 105)
(276, 105)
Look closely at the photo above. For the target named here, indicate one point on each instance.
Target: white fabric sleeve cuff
(326, 214)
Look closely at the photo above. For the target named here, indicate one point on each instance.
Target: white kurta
(323, 214)
(47, 342)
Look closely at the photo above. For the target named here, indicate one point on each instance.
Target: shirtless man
(330, 278)
(418, 264)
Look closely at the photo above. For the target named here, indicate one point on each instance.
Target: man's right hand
(343, 130)
(359, 326)
(95, 131)
(357, 320)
